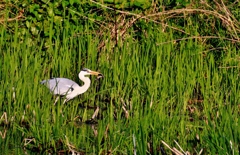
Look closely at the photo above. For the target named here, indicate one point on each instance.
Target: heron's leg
(65, 100)
(56, 100)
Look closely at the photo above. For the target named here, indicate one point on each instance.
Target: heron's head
(86, 71)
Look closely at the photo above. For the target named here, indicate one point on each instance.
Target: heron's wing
(60, 86)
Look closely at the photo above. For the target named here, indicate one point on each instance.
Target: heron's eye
(85, 70)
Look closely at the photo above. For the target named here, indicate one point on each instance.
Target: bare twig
(28, 140)
(19, 16)
(151, 103)
(228, 67)
(124, 108)
(95, 132)
(174, 150)
(106, 131)
(71, 148)
(95, 113)
(179, 146)
(134, 145)
(3, 134)
(4, 118)
(199, 37)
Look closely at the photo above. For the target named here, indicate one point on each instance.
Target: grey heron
(68, 88)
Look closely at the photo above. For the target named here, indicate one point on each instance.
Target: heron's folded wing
(61, 86)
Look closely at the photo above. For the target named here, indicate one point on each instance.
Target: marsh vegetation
(171, 77)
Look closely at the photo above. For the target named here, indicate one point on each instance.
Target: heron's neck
(86, 84)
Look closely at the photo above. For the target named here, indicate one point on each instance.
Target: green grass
(171, 92)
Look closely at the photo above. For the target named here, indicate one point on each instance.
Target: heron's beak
(99, 75)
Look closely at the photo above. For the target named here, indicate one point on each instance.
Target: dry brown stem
(219, 11)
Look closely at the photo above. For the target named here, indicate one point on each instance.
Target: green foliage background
(170, 66)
